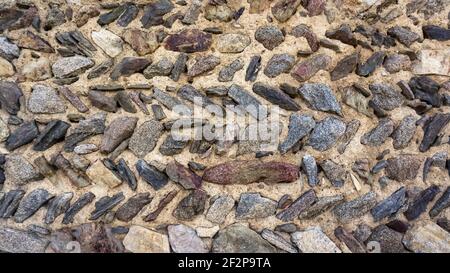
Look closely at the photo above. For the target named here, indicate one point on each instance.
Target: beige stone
(142, 240)
(313, 240)
(109, 42)
(97, 172)
(427, 237)
(6, 68)
(37, 70)
(4, 130)
(435, 62)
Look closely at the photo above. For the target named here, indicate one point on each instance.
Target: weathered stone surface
(84, 14)
(374, 61)
(19, 171)
(237, 238)
(320, 97)
(232, 42)
(6, 68)
(45, 100)
(246, 172)
(23, 135)
(10, 202)
(10, 94)
(349, 240)
(246, 100)
(298, 206)
(8, 50)
(151, 175)
(278, 241)
(172, 146)
(29, 40)
(161, 205)
(299, 127)
(275, 96)
(355, 208)
(432, 61)
(226, 74)
(441, 204)
(404, 133)
(31, 203)
(203, 64)
(103, 102)
(93, 125)
(57, 206)
(425, 89)
(378, 135)
(390, 205)
(100, 69)
(420, 202)
(141, 41)
(279, 64)
(220, 208)
(334, 172)
(427, 237)
(189, 41)
(54, 132)
(385, 96)
(253, 205)
(142, 240)
(37, 70)
(344, 67)
(303, 30)
(161, 68)
(77, 206)
(20, 241)
(71, 66)
(184, 239)
(105, 204)
(253, 68)
(145, 137)
(109, 42)
(390, 240)
(313, 240)
(117, 131)
(435, 33)
(404, 35)
(154, 12)
(191, 205)
(284, 9)
(133, 206)
(170, 102)
(403, 167)
(309, 166)
(128, 66)
(269, 36)
(99, 173)
(322, 205)
(183, 176)
(4, 131)
(343, 34)
(126, 174)
(432, 129)
(77, 177)
(397, 62)
(305, 70)
(326, 133)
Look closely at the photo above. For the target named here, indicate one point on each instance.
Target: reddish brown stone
(305, 70)
(189, 41)
(251, 171)
(182, 175)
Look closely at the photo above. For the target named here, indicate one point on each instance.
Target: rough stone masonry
(89, 160)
